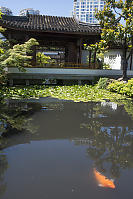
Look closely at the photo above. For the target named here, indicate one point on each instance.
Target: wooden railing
(69, 66)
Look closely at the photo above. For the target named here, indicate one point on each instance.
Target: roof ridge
(51, 16)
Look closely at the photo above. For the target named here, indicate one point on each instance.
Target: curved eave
(52, 30)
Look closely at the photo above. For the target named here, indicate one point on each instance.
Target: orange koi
(103, 181)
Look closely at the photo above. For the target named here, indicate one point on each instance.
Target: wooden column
(10, 39)
(94, 59)
(90, 58)
(131, 61)
(66, 54)
(27, 37)
(79, 46)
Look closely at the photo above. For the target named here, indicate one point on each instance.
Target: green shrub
(122, 87)
(106, 66)
(116, 86)
(102, 83)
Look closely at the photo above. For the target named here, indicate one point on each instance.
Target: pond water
(52, 149)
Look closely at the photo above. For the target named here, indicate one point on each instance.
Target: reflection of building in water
(113, 105)
(3, 167)
(81, 141)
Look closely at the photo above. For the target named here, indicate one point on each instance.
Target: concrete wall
(57, 73)
(39, 74)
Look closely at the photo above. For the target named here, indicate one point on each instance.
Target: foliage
(102, 83)
(106, 66)
(124, 88)
(95, 57)
(18, 55)
(2, 73)
(1, 30)
(76, 93)
(100, 60)
(116, 21)
(42, 59)
(4, 45)
(99, 57)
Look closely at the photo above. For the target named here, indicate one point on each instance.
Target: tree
(18, 56)
(2, 72)
(42, 59)
(116, 21)
(1, 29)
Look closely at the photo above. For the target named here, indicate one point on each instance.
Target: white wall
(114, 58)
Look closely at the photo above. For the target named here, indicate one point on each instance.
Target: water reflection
(110, 139)
(3, 168)
(58, 141)
(14, 119)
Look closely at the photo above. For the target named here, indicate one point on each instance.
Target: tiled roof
(48, 24)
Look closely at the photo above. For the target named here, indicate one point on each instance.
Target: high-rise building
(6, 11)
(30, 11)
(84, 10)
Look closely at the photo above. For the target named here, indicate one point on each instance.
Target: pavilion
(65, 34)
(51, 31)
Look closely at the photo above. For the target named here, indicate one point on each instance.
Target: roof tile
(48, 23)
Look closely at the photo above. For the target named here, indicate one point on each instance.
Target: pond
(57, 149)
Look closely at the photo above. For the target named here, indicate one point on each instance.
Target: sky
(46, 7)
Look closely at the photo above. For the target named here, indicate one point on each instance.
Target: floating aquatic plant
(76, 93)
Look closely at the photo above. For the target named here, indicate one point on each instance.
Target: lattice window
(112, 59)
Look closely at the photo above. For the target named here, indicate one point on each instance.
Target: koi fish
(103, 181)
